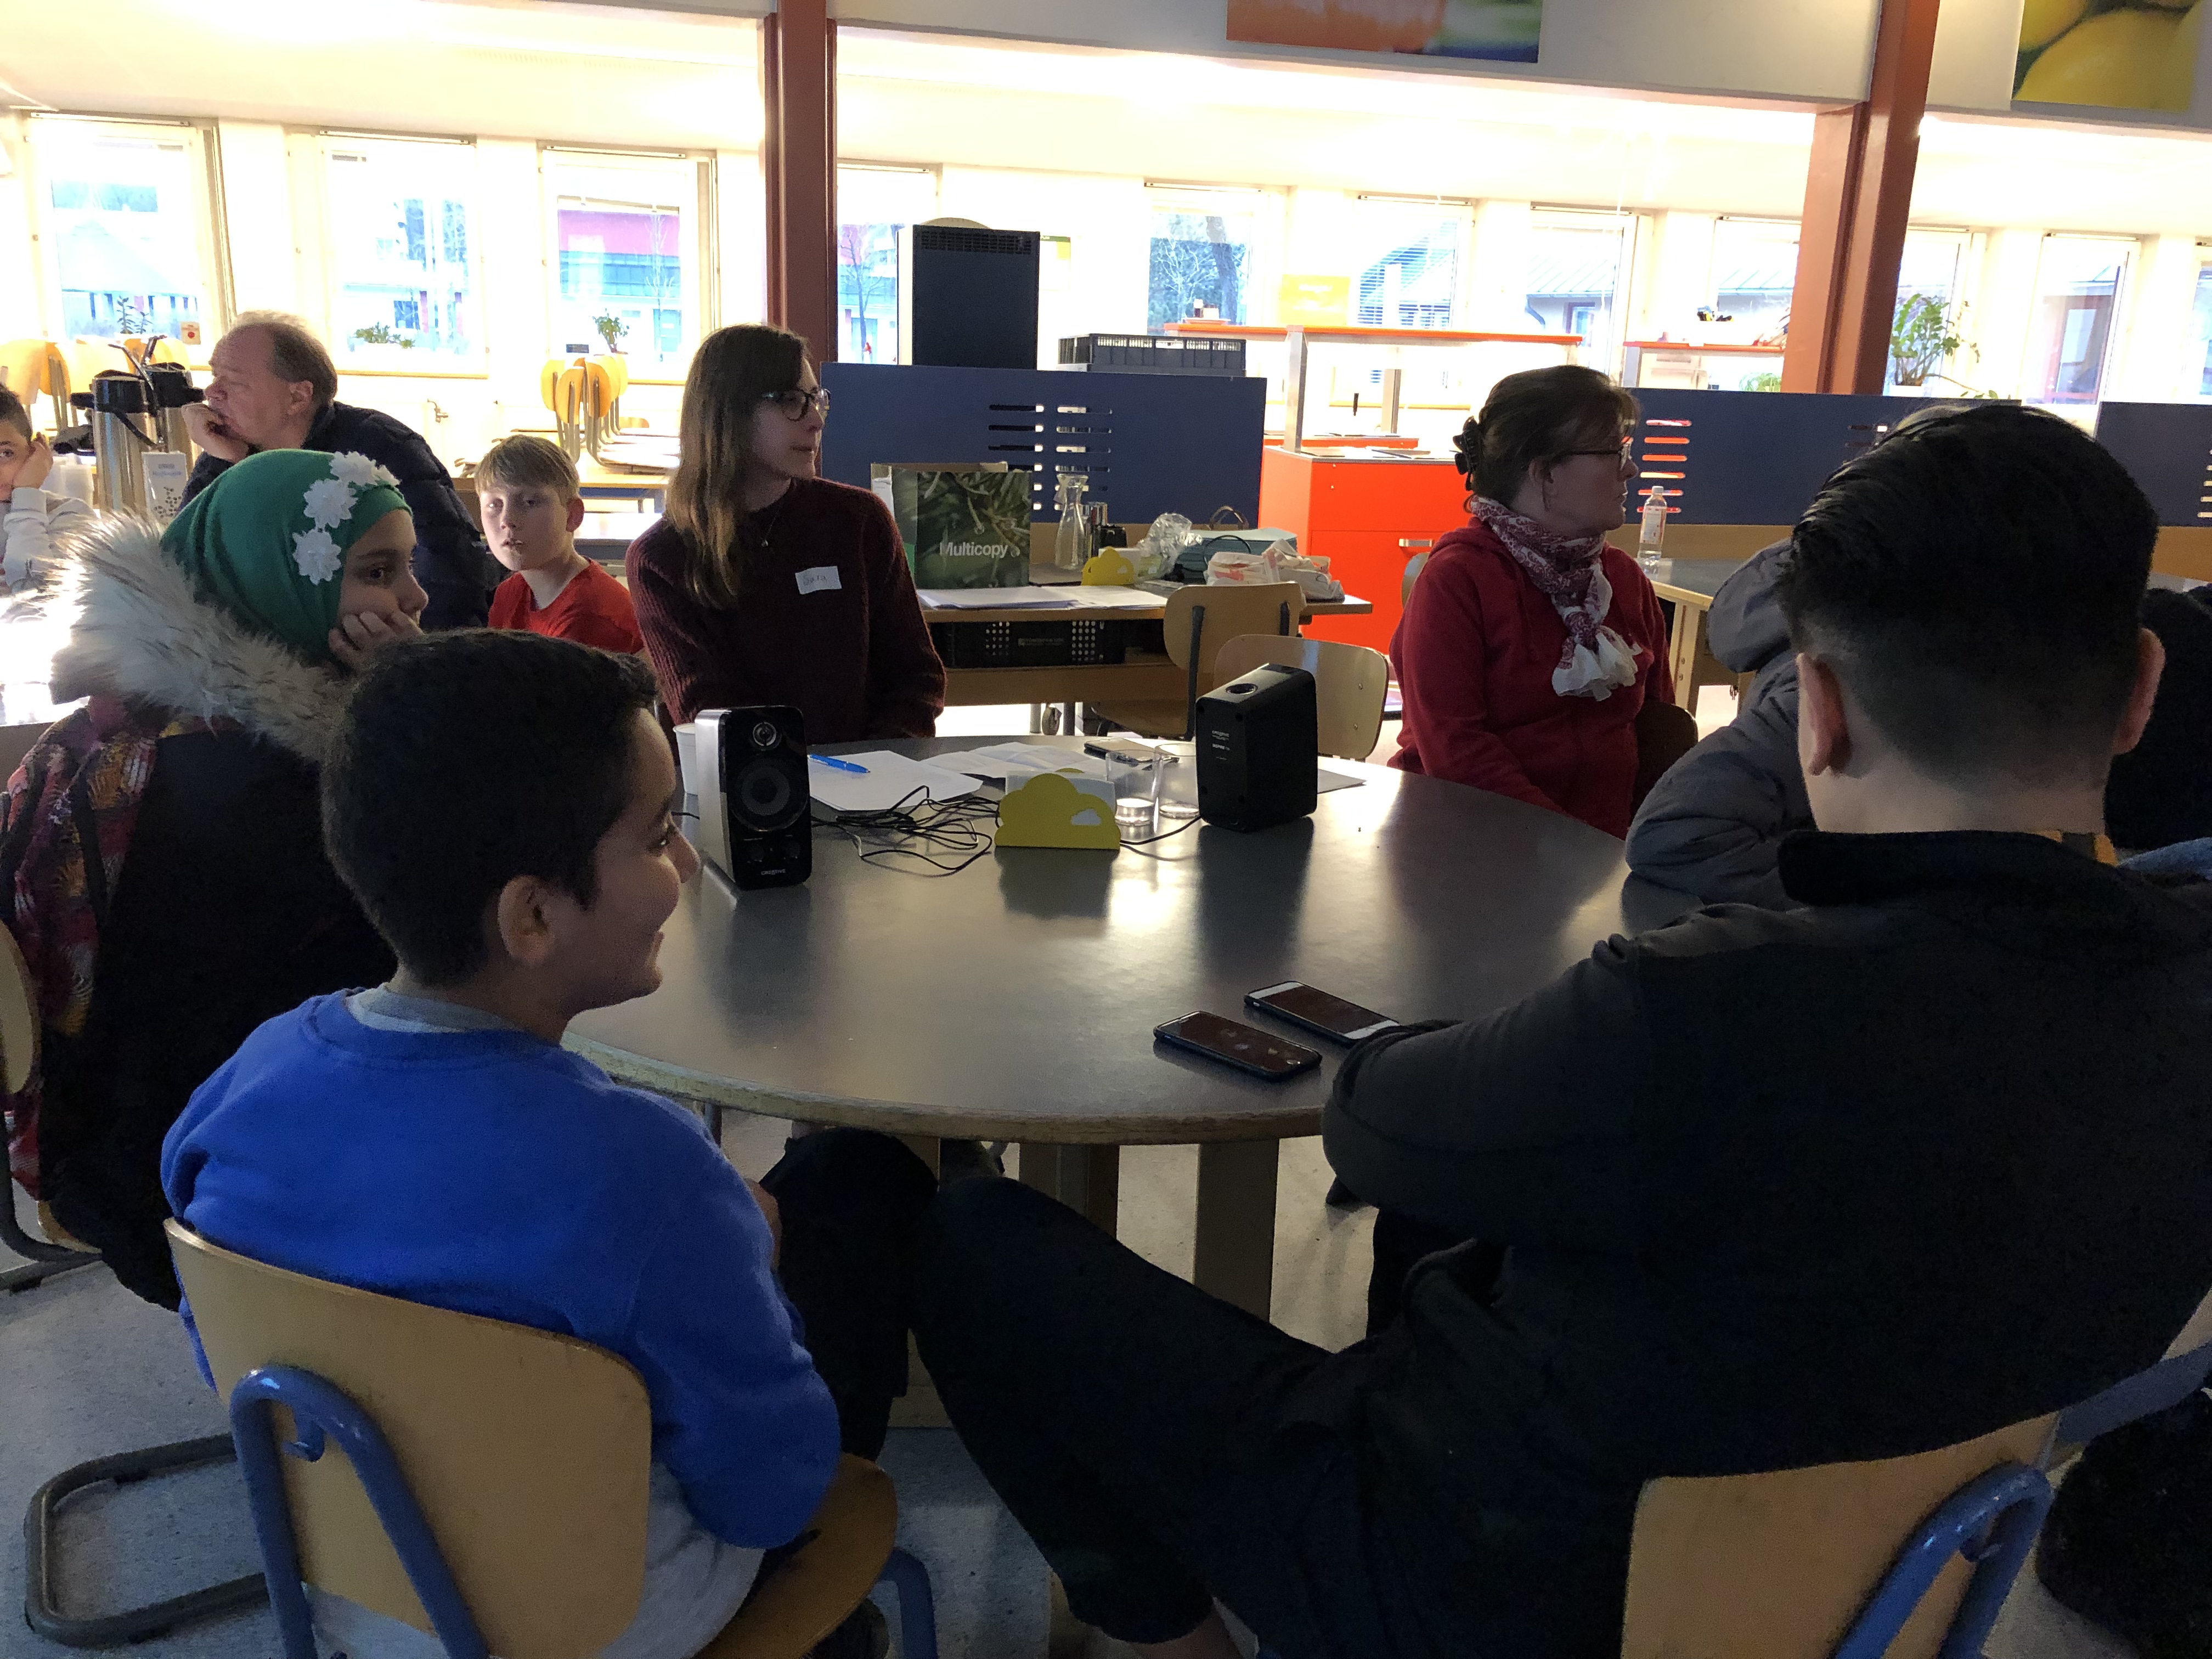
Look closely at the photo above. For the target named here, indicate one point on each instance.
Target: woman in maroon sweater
(767, 583)
(1529, 645)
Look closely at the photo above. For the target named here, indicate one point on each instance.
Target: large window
(1754, 273)
(630, 242)
(877, 206)
(1579, 271)
(123, 211)
(1406, 263)
(2078, 293)
(1931, 281)
(404, 260)
(1202, 255)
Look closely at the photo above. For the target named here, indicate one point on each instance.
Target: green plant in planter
(611, 329)
(383, 334)
(1924, 333)
(1768, 381)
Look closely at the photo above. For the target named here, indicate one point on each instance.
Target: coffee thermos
(140, 444)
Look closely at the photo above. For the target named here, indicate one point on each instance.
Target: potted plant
(611, 329)
(1922, 337)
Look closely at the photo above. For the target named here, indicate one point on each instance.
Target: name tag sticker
(823, 579)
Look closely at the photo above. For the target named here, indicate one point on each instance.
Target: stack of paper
(889, 779)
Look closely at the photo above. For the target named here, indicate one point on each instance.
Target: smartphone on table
(1247, 1048)
(1318, 1011)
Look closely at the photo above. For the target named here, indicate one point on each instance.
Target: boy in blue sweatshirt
(503, 804)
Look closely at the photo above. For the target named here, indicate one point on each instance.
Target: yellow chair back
(529, 1452)
(1349, 682)
(1777, 1566)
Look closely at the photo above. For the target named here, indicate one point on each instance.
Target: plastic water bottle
(1653, 535)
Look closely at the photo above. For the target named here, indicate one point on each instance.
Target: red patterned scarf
(1567, 570)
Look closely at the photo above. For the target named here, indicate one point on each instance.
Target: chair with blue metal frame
(1804, 1563)
(493, 1490)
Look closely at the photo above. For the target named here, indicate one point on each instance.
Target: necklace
(765, 520)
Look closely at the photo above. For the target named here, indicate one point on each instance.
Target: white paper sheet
(997, 599)
(889, 779)
(1014, 763)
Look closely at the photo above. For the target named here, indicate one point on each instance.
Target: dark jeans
(1399, 1243)
(1161, 1447)
(852, 1204)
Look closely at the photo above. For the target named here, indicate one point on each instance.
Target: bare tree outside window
(1202, 264)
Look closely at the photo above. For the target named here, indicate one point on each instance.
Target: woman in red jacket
(767, 583)
(1529, 645)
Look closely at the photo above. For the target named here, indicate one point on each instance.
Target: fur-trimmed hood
(141, 633)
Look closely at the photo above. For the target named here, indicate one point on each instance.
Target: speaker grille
(953, 238)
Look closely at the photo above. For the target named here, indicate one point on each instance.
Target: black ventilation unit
(975, 297)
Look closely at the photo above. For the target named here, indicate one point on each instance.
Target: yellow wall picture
(2113, 54)
(1316, 302)
(1059, 808)
(1505, 31)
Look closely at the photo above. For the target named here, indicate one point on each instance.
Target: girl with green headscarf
(162, 850)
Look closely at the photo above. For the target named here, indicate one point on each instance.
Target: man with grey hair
(274, 386)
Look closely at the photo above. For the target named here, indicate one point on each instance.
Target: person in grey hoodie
(1714, 824)
(1711, 825)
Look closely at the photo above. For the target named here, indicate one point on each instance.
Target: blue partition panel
(2167, 449)
(1753, 457)
(1150, 443)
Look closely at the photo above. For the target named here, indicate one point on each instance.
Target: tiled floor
(87, 1369)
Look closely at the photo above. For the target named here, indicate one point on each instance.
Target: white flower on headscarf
(358, 470)
(316, 554)
(330, 503)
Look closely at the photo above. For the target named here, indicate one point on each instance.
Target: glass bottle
(1072, 550)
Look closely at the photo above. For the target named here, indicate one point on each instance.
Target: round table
(1016, 1001)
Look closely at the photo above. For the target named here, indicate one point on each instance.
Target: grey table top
(1017, 998)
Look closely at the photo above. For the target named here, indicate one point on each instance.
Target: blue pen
(842, 765)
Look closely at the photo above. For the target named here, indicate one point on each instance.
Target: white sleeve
(34, 517)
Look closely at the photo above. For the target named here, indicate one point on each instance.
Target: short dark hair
(1540, 414)
(12, 413)
(1977, 578)
(467, 759)
(294, 353)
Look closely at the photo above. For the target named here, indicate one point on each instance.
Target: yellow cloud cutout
(1057, 809)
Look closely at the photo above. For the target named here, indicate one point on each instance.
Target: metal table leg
(1235, 1255)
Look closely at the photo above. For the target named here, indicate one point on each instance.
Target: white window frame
(1270, 209)
(200, 139)
(1635, 239)
(702, 281)
(395, 360)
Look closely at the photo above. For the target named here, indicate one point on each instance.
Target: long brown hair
(732, 370)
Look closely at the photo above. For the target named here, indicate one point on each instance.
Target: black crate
(1072, 643)
(1154, 354)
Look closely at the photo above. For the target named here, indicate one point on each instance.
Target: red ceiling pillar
(798, 84)
(1858, 199)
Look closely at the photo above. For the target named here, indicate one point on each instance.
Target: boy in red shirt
(531, 507)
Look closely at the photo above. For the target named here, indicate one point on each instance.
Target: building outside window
(123, 209)
(1407, 263)
(627, 240)
(2078, 294)
(1754, 274)
(877, 207)
(404, 267)
(1202, 262)
(1578, 273)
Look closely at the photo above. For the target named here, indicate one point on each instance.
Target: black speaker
(975, 297)
(758, 826)
(1259, 750)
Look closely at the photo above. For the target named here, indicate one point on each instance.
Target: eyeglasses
(795, 404)
(1621, 456)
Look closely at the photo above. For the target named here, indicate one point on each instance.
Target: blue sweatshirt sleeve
(740, 1416)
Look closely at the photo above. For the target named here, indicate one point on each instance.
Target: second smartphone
(1318, 1011)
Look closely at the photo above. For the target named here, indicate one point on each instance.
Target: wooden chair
(29, 367)
(1805, 1564)
(1349, 682)
(1198, 623)
(494, 1486)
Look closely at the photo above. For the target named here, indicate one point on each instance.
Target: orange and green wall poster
(1506, 30)
(2115, 54)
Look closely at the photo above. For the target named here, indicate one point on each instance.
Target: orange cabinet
(1367, 517)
